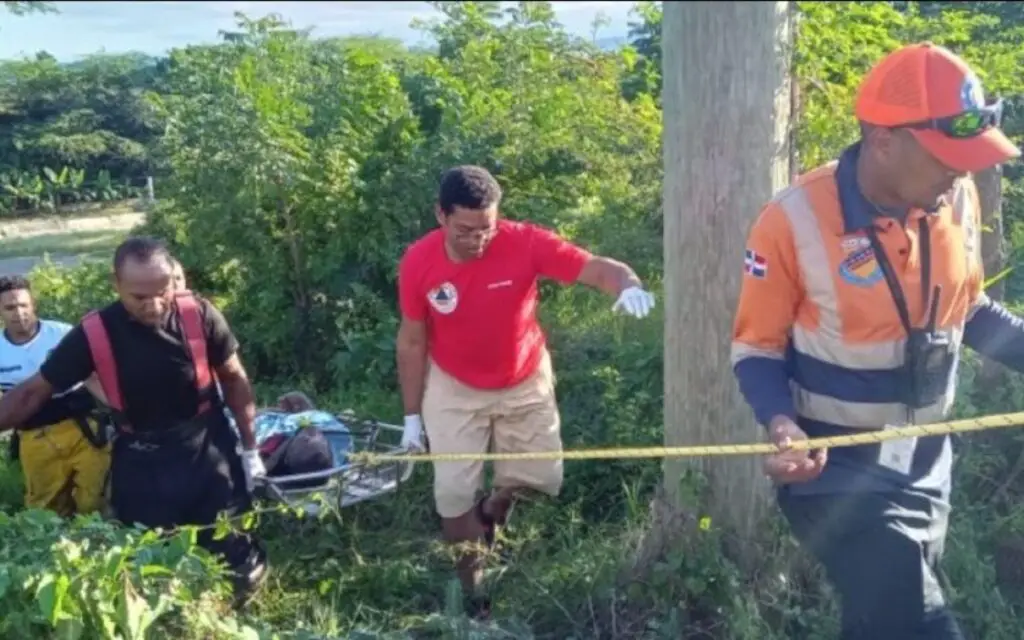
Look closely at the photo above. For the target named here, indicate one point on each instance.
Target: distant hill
(611, 43)
(607, 43)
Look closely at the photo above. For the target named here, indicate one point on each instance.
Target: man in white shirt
(63, 447)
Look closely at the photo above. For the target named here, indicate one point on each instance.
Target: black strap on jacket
(898, 298)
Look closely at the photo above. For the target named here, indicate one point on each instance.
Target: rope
(615, 453)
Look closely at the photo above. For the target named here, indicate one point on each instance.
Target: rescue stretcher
(345, 484)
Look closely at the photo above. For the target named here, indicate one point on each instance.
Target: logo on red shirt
(444, 298)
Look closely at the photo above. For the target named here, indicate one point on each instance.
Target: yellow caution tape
(867, 437)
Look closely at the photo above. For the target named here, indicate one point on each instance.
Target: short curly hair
(14, 283)
(467, 186)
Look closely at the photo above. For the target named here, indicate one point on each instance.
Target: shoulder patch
(754, 264)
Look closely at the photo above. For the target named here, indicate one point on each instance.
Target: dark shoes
(490, 525)
(250, 576)
(478, 608)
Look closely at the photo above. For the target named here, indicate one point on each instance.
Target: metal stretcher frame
(348, 483)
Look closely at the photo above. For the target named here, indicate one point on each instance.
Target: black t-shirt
(154, 366)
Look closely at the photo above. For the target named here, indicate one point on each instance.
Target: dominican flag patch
(755, 265)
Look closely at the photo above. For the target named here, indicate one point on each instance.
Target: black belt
(180, 433)
(98, 437)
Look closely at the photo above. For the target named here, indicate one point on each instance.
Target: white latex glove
(412, 434)
(634, 301)
(252, 463)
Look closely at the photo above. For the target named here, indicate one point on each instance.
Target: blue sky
(82, 28)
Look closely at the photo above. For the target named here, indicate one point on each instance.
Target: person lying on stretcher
(297, 438)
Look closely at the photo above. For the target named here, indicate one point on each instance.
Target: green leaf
(50, 594)
(5, 580)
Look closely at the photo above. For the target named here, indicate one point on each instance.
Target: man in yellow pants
(63, 447)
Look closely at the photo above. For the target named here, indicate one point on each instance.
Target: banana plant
(23, 187)
(103, 188)
(60, 183)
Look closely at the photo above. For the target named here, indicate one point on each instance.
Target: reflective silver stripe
(741, 351)
(875, 355)
(865, 415)
(872, 415)
(960, 203)
(887, 354)
(812, 256)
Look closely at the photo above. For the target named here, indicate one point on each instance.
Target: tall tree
(726, 111)
(645, 38)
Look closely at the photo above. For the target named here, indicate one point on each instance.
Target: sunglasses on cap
(966, 124)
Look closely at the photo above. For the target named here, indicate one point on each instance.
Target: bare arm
(608, 275)
(239, 397)
(412, 363)
(23, 401)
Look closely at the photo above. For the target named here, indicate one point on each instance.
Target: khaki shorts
(461, 419)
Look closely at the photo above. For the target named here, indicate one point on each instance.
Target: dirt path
(22, 266)
(45, 226)
(50, 230)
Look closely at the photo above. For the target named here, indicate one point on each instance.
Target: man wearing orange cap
(862, 280)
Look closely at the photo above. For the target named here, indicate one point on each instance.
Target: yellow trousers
(63, 471)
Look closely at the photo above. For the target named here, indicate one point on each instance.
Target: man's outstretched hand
(792, 465)
(634, 301)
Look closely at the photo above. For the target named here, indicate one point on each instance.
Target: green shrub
(87, 578)
(69, 293)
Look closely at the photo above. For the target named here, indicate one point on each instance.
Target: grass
(379, 570)
(62, 244)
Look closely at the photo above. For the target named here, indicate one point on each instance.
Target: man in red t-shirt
(473, 360)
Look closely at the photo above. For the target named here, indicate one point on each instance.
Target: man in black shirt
(175, 460)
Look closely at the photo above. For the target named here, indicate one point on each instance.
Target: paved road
(22, 266)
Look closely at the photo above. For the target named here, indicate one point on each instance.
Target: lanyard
(894, 284)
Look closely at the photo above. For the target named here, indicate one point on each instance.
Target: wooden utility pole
(993, 248)
(727, 102)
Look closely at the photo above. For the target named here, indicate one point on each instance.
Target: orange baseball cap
(934, 94)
